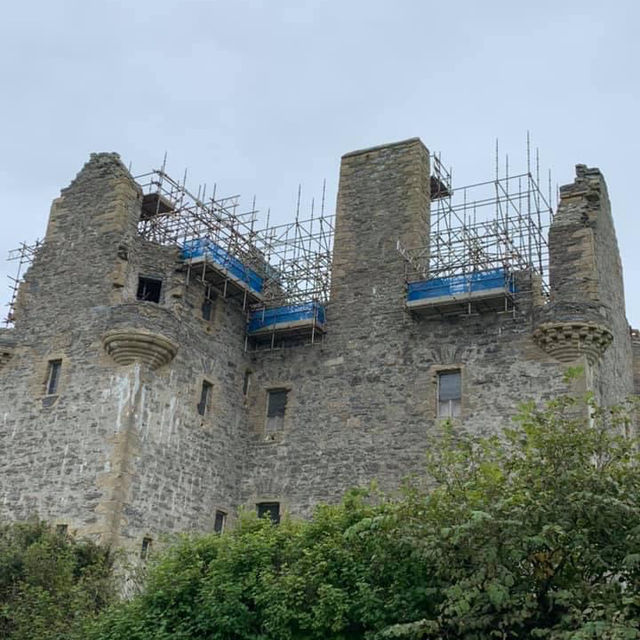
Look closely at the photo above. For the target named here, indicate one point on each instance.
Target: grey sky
(261, 96)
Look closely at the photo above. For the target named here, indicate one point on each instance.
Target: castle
(169, 363)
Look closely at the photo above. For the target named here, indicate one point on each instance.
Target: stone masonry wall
(121, 452)
(362, 406)
(586, 278)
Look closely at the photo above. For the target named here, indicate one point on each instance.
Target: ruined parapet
(586, 313)
(577, 321)
(90, 225)
(108, 197)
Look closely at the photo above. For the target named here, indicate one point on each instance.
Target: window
(276, 405)
(61, 529)
(220, 521)
(205, 398)
(53, 377)
(208, 306)
(449, 393)
(145, 550)
(270, 510)
(246, 383)
(149, 289)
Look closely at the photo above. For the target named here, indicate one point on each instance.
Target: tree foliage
(51, 586)
(532, 534)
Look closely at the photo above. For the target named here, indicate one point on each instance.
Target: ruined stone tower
(164, 369)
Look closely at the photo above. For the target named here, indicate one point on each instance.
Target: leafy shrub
(533, 534)
(51, 586)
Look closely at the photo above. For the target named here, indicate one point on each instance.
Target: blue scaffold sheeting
(462, 284)
(205, 247)
(272, 318)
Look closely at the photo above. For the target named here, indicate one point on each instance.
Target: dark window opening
(53, 376)
(276, 406)
(154, 204)
(246, 383)
(207, 309)
(61, 529)
(145, 550)
(149, 289)
(449, 394)
(205, 397)
(270, 510)
(208, 305)
(123, 252)
(221, 518)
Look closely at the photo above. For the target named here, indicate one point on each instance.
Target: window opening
(220, 521)
(205, 397)
(276, 406)
(149, 289)
(449, 394)
(246, 382)
(208, 305)
(145, 550)
(53, 376)
(61, 529)
(270, 510)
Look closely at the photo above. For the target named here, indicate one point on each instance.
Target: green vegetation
(535, 534)
(51, 587)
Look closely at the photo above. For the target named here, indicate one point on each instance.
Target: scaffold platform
(294, 319)
(221, 269)
(490, 290)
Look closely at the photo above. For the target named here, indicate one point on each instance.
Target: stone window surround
(42, 373)
(275, 435)
(151, 277)
(247, 383)
(224, 514)
(271, 501)
(208, 292)
(146, 547)
(436, 370)
(198, 396)
(54, 370)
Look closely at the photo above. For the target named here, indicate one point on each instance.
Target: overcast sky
(261, 96)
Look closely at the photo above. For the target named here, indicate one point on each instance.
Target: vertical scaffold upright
(283, 267)
(24, 256)
(495, 228)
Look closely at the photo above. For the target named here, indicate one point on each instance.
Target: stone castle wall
(121, 452)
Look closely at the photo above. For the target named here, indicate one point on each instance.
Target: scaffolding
(486, 239)
(281, 273)
(488, 243)
(24, 256)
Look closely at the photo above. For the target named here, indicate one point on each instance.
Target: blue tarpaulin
(272, 318)
(205, 247)
(459, 285)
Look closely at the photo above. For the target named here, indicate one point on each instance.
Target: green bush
(533, 534)
(51, 586)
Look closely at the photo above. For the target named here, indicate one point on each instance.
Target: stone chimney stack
(383, 198)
